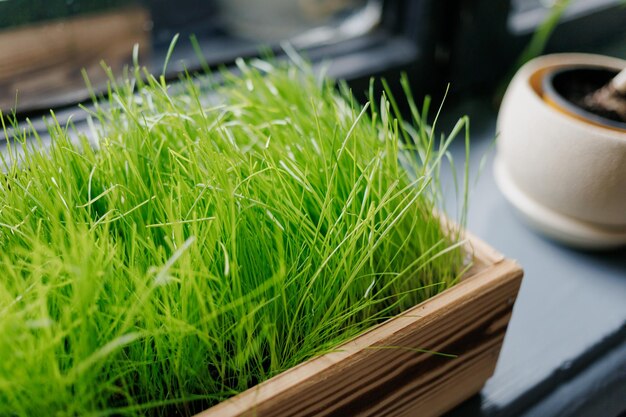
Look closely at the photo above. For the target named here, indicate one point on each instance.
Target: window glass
(45, 44)
(526, 15)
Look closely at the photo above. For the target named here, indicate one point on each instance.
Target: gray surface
(597, 391)
(569, 317)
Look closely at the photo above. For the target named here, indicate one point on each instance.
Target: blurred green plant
(544, 32)
(536, 45)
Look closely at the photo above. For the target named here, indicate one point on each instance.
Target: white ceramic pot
(565, 175)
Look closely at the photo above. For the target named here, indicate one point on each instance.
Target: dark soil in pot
(570, 88)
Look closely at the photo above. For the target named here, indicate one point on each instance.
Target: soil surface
(583, 87)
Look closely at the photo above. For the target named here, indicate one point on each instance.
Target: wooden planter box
(390, 369)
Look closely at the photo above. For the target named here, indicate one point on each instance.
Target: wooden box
(392, 369)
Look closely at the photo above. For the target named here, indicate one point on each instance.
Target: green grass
(208, 237)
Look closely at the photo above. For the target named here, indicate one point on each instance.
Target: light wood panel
(42, 63)
(387, 371)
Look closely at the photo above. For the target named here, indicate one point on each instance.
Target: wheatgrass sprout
(200, 242)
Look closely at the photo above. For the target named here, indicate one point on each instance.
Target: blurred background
(472, 44)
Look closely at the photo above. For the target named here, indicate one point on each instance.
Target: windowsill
(354, 60)
(564, 351)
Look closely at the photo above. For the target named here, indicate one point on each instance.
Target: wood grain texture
(391, 369)
(42, 63)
